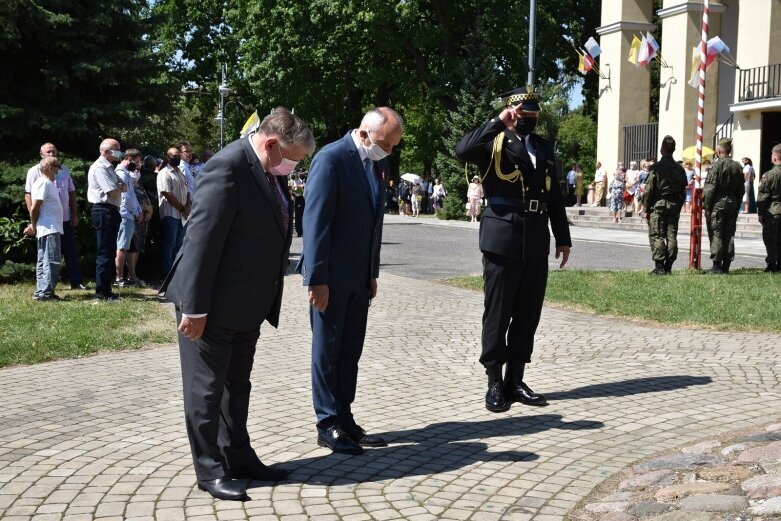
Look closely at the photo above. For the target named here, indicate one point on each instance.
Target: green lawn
(32, 332)
(744, 300)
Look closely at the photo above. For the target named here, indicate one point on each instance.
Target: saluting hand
(564, 252)
(509, 116)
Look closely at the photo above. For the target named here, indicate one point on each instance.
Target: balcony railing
(760, 83)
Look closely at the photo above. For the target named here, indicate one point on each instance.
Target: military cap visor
(523, 97)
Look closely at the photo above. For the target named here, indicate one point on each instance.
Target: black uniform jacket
(506, 230)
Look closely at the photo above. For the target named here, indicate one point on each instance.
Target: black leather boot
(659, 269)
(494, 398)
(668, 266)
(716, 269)
(771, 268)
(725, 266)
(517, 391)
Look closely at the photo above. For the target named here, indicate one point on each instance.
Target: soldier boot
(494, 398)
(517, 391)
(715, 269)
(668, 266)
(659, 269)
(725, 266)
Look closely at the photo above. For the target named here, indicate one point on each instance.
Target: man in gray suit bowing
(225, 282)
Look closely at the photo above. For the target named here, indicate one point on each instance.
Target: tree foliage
(75, 69)
(577, 142)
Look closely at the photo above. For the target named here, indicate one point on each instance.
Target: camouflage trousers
(771, 235)
(721, 233)
(663, 235)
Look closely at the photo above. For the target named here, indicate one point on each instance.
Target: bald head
(107, 147)
(382, 126)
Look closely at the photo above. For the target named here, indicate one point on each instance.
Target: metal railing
(760, 83)
(723, 131)
(640, 142)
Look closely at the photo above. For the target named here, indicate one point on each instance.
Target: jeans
(173, 235)
(71, 254)
(47, 269)
(105, 218)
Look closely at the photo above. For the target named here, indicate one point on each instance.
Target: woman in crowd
(688, 167)
(416, 199)
(438, 195)
(645, 169)
(615, 203)
(474, 196)
(632, 181)
(749, 204)
(579, 185)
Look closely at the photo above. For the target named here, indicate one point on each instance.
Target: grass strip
(744, 300)
(33, 332)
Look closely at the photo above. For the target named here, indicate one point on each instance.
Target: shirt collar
(359, 145)
(105, 162)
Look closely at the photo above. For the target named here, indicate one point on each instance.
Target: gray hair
(377, 117)
(106, 144)
(633, 165)
(289, 128)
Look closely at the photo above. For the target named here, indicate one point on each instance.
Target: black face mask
(131, 167)
(526, 126)
(175, 161)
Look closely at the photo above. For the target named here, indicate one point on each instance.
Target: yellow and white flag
(694, 79)
(252, 124)
(634, 49)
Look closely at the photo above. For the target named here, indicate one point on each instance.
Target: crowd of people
(412, 198)
(121, 210)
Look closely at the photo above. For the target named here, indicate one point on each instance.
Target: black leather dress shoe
(224, 488)
(494, 397)
(259, 472)
(522, 393)
(338, 441)
(359, 436)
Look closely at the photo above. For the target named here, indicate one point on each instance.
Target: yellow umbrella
(690, 152)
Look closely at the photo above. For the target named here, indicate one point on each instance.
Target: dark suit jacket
(504, 231)
(235, 253)
(343, 225)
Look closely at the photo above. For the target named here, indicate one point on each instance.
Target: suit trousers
(216, 388)
(337, 344)
(105, 218)
(71, 254)
(514, 292)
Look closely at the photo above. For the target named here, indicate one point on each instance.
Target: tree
(577, 142)
(472, 109)
(74, 70)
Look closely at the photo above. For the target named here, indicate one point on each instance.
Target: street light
(224, 93)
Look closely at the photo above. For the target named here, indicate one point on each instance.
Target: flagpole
(695, 240)
(532, 39)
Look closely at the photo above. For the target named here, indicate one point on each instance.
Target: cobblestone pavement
(103, 437)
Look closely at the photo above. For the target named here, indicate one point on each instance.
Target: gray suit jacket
(235, 253)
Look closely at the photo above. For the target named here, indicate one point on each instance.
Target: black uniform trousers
(216, 382)
(514, 292)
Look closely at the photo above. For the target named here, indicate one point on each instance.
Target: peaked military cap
(525, 97)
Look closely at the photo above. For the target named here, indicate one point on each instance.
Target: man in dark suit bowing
(340, 263)
(523, 195)
(225, 282)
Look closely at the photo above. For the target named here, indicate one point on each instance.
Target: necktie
(282, 206)
(369, 169)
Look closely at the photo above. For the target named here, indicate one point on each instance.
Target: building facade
(743, 103)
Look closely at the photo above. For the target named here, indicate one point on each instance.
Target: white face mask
(374, 151)
(135, 176)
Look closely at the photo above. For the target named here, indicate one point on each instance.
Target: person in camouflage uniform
(665, 192)
(769, 211)
(721, 198)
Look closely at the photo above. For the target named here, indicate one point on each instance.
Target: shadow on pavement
(434, 449)
(629, 387)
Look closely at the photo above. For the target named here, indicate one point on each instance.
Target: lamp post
(224, 93)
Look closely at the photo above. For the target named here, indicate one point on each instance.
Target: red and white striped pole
(695, 241)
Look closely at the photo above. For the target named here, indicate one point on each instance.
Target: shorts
(125, 238)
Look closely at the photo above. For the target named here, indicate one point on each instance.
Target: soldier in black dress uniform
(523, 194)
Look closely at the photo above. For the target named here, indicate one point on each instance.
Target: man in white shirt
(104, 191)
(70, 215)
(175, 203)
(46, 225)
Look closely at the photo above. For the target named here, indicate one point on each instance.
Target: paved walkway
(103, 437)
